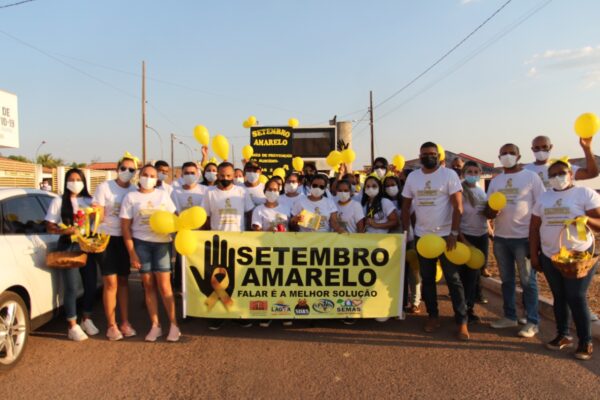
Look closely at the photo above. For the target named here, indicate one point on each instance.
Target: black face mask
(429, 162)
(225, 183)
(458, 171)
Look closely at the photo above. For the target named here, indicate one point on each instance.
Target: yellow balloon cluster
(497, 201)
(220, 146)
(201, 135)
(298, 163)
(249, 122)
(459, 255)
(247, 152)
(431, 245)
(293, 122)
(586, 125)
(334, 158)
(348, 156)
(164, 222)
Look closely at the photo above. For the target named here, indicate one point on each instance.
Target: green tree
(78, 165)
(47, 160)
(19, 158)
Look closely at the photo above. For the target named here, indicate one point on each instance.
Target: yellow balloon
(220, 146)
(348, 156)
(441, 152)
(431, 246)
(477, 259)
(586, 125)
(438, 272)
(398, 162)
(459, 255)
(185, 242)
(298, 163)
(497, 201)
(246, 124)
(280, 172)
(247, 152)
(192, 218)
(251, 120)
(163, 222)
(293, 122)
(334, 158)
(201, 135)
(263, 179)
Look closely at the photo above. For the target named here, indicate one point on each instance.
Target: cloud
(591, 79)
(532, 72)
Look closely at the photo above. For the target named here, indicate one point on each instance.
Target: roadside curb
(545, 304)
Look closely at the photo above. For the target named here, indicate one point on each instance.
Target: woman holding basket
(566, 215)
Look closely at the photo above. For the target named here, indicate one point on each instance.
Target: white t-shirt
(139, 206)
(165, 187)
(387, 208)
(473, 222)
(542, 172)
(185, 199)
(430, 194)
(257, 194)
(290, 202)
(522, 189)
(78, 203)
(349, 215)
(323, 207)
(226, 208)
(110, 196)
(554, 208)
(267, 218)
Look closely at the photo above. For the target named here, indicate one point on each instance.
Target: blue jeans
(154, 257)
(455, 286)
(569, 294)
(70, 277)
(511, 254)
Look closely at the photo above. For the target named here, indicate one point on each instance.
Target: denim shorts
(154, 257)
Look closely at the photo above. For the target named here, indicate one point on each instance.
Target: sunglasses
(123, 169)
(319, 186)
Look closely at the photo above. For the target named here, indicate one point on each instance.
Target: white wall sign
(9, 120)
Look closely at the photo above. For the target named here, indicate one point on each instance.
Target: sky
(75, 66)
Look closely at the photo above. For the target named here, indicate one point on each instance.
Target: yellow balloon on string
(201, 135)
(398, 162)
(163, 222)
(459, 255)
(586, 125)
(185, 242)
(298, 163)
(263, 179)
(477, 259)
(220, 146)
(252, 120)
(192, 218)
(293, 122)
(247, 152)
(497, 201)
(431, 245)
(348, 156)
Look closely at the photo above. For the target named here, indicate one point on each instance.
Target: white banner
(9, 120)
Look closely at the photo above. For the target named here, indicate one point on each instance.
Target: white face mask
(162, 177)
(343, 196)
(560, 182)
(380, 172)
(190, 179)
(508, 160)
(392, 191)
(541, 155)
(316, 192)
(75, 187)
(371, 192)
(291, 187)
(252, 177)
(126, 176)
(210, 176)
(271, 196)
(239, 181)
(147, 183)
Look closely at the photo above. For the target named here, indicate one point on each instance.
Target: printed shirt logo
(557, 214)
(510, 192)
(228, 215)
(427, 197)
(144, 214)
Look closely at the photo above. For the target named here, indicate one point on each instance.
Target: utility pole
(172, 158)
(143, 112)
(372, 128)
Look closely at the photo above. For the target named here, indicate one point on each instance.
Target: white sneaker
(155, 333)
(504, 323)
(529, 330)
(89, 327)
(382, 319)
(522, 321)
(174, 334)
(113, 334)
(77, 334)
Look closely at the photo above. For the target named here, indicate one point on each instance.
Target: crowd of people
(446, 200)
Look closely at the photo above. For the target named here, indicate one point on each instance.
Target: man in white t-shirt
(189, 193)
(435, 193)
(163, 174)
(542, 146)
(255, 189)
(522, 189)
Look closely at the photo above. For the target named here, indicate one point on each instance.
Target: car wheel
(14, 329)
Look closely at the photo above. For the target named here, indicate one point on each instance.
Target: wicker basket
(66, 259)
(576, 269)
(95, 244)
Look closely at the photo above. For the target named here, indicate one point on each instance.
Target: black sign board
(273, 147)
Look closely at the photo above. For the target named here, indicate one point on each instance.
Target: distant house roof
(103, 166)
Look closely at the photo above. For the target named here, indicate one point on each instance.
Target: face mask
(316, 192)
(541, 155)
(240, 180)
(125, 176)
(560, 182)
(458, 171)
(210, 176)
(371, 192)
(189, 179)
(162, 177)
(252, 177)
(429, 162)
(272, 197)
(392, 191)
(147, 183)
(508, 160)
(291, 187)
(343, 196)
(472, 179)
(380, 172)
(225, 183)
(75, 187)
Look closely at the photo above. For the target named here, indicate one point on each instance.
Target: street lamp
(189, 149)
(38, 150)
(159, 138)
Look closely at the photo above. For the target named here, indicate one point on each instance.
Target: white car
(30, 293)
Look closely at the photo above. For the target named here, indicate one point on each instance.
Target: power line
(439, 60)
(16, 4)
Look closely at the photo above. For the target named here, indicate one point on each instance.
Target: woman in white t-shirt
(380, 213)
(114, 261)
(68, 210)
(149, 251)
(321, 209)
(554, 210)
(350, 213)
(209, 175)
(292, 190)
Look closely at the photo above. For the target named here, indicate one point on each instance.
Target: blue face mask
(472, 179)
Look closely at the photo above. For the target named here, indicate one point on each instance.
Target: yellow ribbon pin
(220, 292)
(580, 225)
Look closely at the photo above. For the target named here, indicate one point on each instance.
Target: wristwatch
(454, 233)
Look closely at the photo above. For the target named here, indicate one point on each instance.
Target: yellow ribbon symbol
(564, 159)
(580, 224)
(219, 290)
